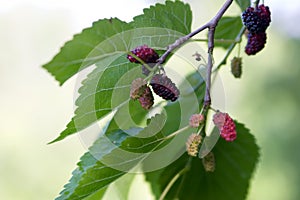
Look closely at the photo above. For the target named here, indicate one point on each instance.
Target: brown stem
(211, 25)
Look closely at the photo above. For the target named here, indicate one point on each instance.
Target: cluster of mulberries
(192, 144)
(160, 83)
(146, 54)
(226, 126)
(164, 87)
(256, 21)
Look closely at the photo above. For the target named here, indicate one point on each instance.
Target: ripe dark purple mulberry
(256, 42)
(164, 87)
(257, 20)
(145, 53)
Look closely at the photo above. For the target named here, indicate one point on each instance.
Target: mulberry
(209, 163)
(164, 87)
(236, 67)
(146, 99)
(226, 126)
(196, 120)
(137, 89)
(256, 42)
(257, 20)
(145, 53)
(192, 144)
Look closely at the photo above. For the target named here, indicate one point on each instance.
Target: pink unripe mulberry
(196, 120)
(226, 126)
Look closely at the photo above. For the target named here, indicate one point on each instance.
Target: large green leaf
(109, 158)
(107, 87)
(228, 29)
(100, 148)
(137, 148)
(72, 56)
(243, 4)
(235, 164)
(96, 98)
(173, 15)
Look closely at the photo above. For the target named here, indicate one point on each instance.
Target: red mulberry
(226, 126)
(145, 53)
(256, 42)
(164, 87)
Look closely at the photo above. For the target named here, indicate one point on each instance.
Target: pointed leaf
(71, 58)
(173, 15)
(100, 148)
(82, 186)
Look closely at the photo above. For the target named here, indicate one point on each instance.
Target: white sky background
(83, 13)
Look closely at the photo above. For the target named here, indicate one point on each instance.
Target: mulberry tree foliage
(154, 118)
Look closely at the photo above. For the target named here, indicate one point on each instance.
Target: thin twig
(223, 41)
(211, 25)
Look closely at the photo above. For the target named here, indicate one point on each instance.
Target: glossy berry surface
(257, 20)
(145, 53)
(256, 42)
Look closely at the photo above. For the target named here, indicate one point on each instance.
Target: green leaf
(228, 29)
(106, 160)
(147, 141)
(72, 56)
(100, 148)
(235, 164)
(109, 55)
(120, 188)
(173, 15)
(243, 4)
(94, 101)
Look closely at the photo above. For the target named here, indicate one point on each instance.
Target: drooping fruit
(256, 42)
(193, 143)
(196, 120)
(147, 100)
(225, 125)
(164, 87)
(257, 19)
(145, 53)
(138, 87)
(236, 67)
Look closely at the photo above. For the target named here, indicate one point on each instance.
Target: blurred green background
(34, 109)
